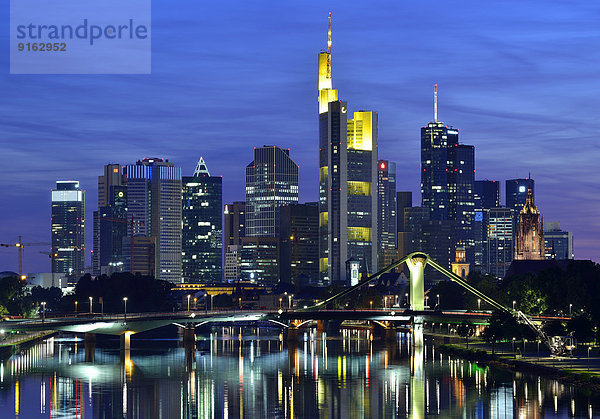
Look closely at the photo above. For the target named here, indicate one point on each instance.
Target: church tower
(530, 231)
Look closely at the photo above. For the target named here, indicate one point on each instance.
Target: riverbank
(15, 343)
(557, 368)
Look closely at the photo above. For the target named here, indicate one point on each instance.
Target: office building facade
(499, 244)
(202, 234)
(154, 206)
(271, 182)
(386, 196)
(558, 243)
(299, 244)
(111, 182)
(68, 229)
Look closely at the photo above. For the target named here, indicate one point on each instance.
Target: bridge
(291, 320)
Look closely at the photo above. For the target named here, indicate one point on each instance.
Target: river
(251, 373)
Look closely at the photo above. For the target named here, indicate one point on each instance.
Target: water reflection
(252, 373)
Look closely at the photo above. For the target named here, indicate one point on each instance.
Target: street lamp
(438, 299)
(539, 306)
(479, 304)
(371, 303)
(240, 302)
(427, 301)
(280, 300)
(195, 300)
(514, 302)
(570, 309)
(43, 303)
(91, 299)
(125, 312)
(211, 301)
(188, 298)
(76, 302)
(290, 301)
(406, 295)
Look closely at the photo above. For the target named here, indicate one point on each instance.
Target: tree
(581, 327)
(466, 330)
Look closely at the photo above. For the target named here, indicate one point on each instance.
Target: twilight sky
(519, 79)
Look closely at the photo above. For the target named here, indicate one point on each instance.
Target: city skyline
(515, 125)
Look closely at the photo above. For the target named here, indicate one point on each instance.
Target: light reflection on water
(251, 373)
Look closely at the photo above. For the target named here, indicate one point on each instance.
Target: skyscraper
(299, 244)
(271, 181)
(109, 183)
(558, 243)
(112, 223)
(499, 245)
(448, 183)
(234, 228)
(487, 196)
(154, 204)
(68, 229)
(386, 196)
(529, 244)
(347, 181)
(202, 240)
(403, 200)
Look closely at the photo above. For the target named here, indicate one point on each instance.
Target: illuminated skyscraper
(529, 244)
(499, 244)
(110, 225)
(386, 195)
(347, 180)
(154, 204)
(68, 229)
(202, 241)
(559, 243)
(448, 183)
(487, 195)
(271, 182)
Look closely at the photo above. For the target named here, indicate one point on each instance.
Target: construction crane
(20, 248)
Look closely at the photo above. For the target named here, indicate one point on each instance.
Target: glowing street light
(438, 299)
(76, 302)
(188, 298)
(91, 300)
(427, 301)
(371, 302)
(125, 312)
(479, 304)
(280, 300)
(514, 302)
(211, 301)
(43, 303)
(290, 301)
(570, 309)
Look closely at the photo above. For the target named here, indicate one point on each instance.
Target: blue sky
(519, 79)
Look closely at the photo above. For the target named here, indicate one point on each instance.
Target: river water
(251, 373)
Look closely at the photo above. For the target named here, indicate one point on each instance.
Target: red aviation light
(382, 165)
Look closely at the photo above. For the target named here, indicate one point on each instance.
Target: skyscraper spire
(201, 168)
(435, 102)
(329, 35)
